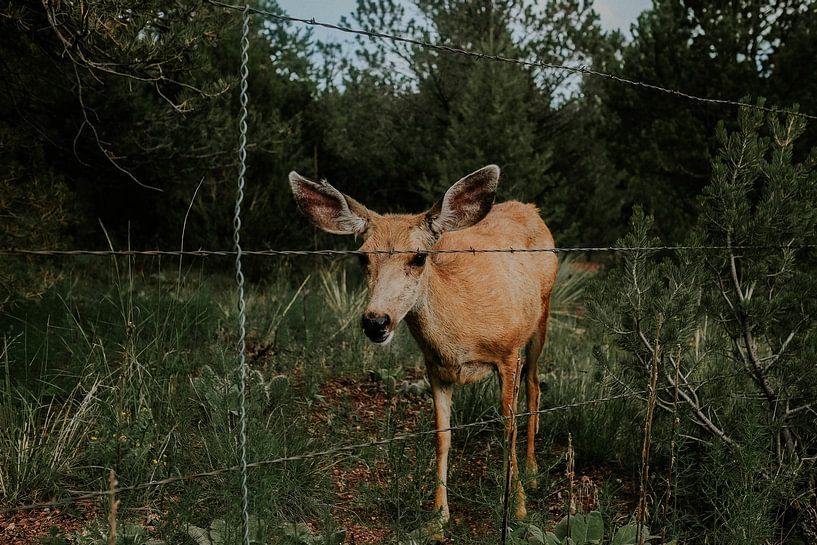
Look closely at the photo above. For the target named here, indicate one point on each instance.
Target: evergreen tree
(735, 320)
(442, 115)
(663, 144)
(142, 108)
(789, 78)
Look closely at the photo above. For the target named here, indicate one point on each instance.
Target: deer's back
(508, 225)
(481, 307)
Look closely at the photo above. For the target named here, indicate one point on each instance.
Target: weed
(41, 440)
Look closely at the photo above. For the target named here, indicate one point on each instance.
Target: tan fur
(471, 314)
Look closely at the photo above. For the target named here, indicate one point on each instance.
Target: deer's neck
(430, 316)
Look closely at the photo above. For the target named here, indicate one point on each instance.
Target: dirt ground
(370, 401)
(365, 403)
(26, 527)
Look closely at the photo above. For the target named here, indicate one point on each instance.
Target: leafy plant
(220, 532)
(126, 534)
(580, 529)
(389, 376)
(217, 394)
(298, 533)
(740, 318)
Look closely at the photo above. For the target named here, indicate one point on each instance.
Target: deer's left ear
(466, 202)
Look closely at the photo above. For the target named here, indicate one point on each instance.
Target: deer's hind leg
(442, 417)
(532, 392)
(509, 383)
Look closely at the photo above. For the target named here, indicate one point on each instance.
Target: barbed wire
(392, 251)
(582, 69)
(343, 449)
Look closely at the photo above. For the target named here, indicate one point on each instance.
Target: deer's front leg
(442, 419)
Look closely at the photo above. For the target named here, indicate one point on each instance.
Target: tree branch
(691, 398)
(105, 152)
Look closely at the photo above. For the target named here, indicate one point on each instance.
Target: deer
(471, 313)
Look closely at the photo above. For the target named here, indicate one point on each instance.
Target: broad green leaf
(561, 528)
(218, 531)
(628, 535)
(578, 529)
(199, 535)
(534, 535)
(595, 528)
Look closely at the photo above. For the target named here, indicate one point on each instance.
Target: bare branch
(691, 398)
(774, 359)
(105, 152)
(733, 270)
(793, 412)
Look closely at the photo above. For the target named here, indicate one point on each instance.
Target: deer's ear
(328, 208)
(466, 202)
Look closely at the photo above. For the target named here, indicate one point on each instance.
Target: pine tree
(739, 317)
(662, 144)
(441, 115)
(139, 109)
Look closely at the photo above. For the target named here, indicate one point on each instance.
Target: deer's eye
(418, 260)
(364, 260)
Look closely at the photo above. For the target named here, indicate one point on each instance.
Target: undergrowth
(133, 368)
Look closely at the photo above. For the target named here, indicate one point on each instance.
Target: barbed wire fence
(244, 465)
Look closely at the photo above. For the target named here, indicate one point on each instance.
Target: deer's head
(396, 280)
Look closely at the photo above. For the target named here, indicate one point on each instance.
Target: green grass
(129, 366)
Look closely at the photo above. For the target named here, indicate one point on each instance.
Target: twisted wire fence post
(239, 278)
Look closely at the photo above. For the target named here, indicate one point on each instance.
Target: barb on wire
(499, 58)
(333, 451)
(391, 252)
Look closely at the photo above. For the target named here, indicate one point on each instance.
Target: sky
(613, 13)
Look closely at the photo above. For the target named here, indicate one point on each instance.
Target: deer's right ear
(328, 208)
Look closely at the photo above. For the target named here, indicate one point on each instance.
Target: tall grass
(101, 373)
(343, 300)
(41, 440)
(158, 355)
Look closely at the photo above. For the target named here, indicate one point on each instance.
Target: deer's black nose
(375, 326)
